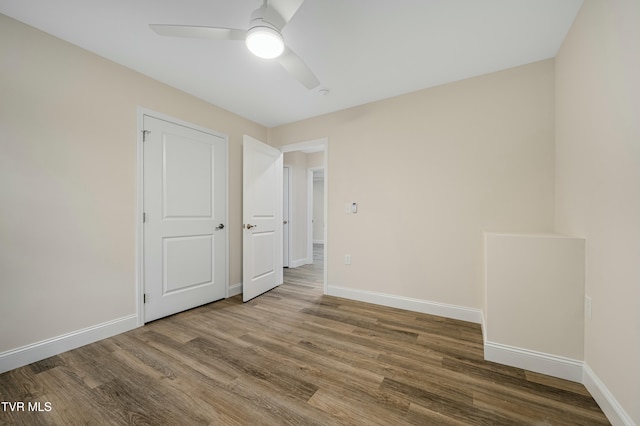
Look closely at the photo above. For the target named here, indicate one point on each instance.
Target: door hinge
(144, 135)
(144, 217)
(144, 298)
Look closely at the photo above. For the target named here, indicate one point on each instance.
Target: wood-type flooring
(291, 357)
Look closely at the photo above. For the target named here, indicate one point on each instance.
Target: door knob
(284, 222)
(219, 227)
(249, 226)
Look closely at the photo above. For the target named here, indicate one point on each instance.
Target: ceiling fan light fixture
(265, 42)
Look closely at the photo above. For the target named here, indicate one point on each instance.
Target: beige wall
(68, 182)
(430, 171)
(534, 291)
(598, 182)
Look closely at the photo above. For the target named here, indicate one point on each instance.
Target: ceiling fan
(263, 38)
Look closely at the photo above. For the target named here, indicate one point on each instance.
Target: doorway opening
(305, 240)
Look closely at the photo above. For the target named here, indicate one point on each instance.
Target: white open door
(262, 218)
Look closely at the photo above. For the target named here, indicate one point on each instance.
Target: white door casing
(262, 218)
(286, 220)
(184, 202)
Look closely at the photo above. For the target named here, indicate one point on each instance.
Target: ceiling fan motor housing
(263, 37)
(266, 16)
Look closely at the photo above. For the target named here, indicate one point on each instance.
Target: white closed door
(262, 218)
(184, 217)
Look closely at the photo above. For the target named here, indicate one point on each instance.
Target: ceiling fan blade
(298, 69)
(286, 8)
(211, 33)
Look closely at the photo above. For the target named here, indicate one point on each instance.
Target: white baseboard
(235, 289)
(605, 399)
(299, 262)
(416, 305)
(38, 351)
(552, 365)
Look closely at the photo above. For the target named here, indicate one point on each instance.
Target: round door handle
(219, 227)
(284, 222)
(249, 226)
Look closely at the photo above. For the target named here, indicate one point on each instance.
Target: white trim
(325, 268)
(483, 322)
(539, 362)
(605, 399)
(139, 290)
(287, 261)
(409, 304)
(234, 290)
(24, 355)
(309, 216)
(298, 262)
(139, 229)
(227, 218)
(315, 145)
(310, 197)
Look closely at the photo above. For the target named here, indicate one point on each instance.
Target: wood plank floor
(292, 356)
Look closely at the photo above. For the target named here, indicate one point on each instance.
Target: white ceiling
(361, 50)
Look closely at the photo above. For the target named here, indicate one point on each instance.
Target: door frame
(310, 202)
(286, 260)
(139, 228)
(321, 144)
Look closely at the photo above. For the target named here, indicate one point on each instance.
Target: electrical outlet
(587, 307)
(347, 259)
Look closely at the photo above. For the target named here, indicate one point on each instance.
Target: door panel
(188, 262)
(187, 178)
(263, 242)
(262, 217)
(184, 200)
